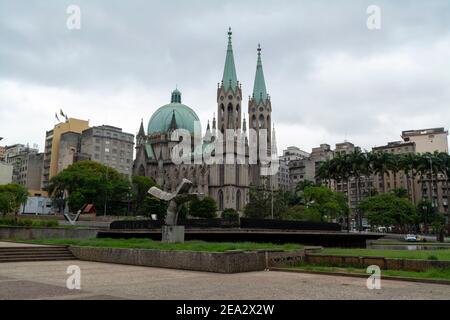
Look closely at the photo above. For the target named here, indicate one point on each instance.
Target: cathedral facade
(228, 182)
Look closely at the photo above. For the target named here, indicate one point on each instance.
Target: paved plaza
(47, 280)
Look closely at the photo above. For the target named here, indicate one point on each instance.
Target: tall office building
(290, 154)
(52, 146)
(27, 165)
(110, 146)
(427, 140)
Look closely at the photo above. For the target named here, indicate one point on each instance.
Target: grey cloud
(155, 45)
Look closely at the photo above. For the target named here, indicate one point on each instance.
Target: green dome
(161, 120)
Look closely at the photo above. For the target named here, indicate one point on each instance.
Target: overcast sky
(329, 76)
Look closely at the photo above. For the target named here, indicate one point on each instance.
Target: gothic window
(222, 111)
(253, 121)
(220, 196)
(238, 200)
(141, 170)
(230, 115)
(261, 121)
(237, 174)
(222, 175)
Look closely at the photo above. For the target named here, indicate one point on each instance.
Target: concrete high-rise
(52, 146)
(110, 146)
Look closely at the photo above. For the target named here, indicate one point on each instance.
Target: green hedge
(21, 222)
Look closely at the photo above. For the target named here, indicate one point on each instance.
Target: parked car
(411, 238)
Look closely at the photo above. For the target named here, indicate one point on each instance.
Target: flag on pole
(62, 114)
(56, 116)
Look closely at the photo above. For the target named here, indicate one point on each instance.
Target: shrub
(10, 221)
(432, 257)
(230, 213)
(205, 208)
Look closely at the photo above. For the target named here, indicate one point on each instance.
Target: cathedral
(228, 183)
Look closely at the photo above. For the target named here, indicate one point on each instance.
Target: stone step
(34, 250)
(27, 253)
(44, 258)
(44, 253)
(2, 249)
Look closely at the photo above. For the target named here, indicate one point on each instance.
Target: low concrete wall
(30, 233)
(221, 262)
(383, 263)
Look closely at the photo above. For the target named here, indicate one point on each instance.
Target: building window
(106, 149)
(222, 175)
(261, 121)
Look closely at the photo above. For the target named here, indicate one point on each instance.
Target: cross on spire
(229, 79)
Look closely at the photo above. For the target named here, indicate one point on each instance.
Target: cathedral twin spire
(259, 86)
(229, 79)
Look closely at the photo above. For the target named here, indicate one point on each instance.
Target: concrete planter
(30, 233)
(383, 263)
(221, 262)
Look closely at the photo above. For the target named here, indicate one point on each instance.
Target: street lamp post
(129, 198)
(425, 209)
(272, 196)
(432, 182)
(106, 192)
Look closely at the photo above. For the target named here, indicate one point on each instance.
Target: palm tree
(381, 164)
(407, 165)
(324, 172)
(340, 167)
(445, 170)
(394, 166)
(357, 164)
(428, 172)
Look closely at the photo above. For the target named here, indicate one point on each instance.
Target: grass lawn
(441, 274)
(439, 254)
(151, 244)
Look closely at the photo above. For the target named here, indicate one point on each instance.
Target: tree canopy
(260, 204)
(388, 209)
(205, 208)
(91, 182)
(12, 195)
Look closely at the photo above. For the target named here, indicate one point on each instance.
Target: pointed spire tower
(229, 94)
(140, 137)
(208, 135)
(274, 142)
(259, 105)
(173, 122)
